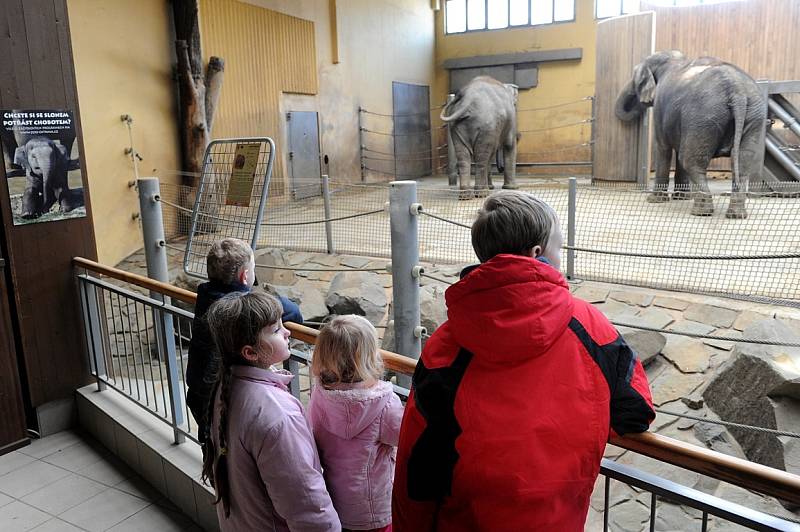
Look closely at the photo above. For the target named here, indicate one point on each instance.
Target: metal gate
(304, 165)
(412, 130)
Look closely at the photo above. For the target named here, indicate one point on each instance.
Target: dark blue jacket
(203, 363)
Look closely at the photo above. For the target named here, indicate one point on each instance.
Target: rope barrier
(362, 110)
(347, 217)
(396, 175)
(422, 211)
(291, 269)
(585, 121)
(731, 424)
(686, 257)
(402, 134)
(176, 248)
(179, 207)
(403, 158)
(436, 278)
(364, 148)
(554, 150)
(556, 106)
(707, 336)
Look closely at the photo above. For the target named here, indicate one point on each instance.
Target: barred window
(475, 15)
(613, 8)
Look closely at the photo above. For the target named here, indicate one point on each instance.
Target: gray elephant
(46, 163)
(701, 109)
(483, 119)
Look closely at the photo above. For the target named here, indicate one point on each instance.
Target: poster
(42, 165)
(243, 175)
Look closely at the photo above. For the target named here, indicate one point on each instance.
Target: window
(613, 8)
(472, 15)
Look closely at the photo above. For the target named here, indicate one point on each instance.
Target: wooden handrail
(750, 475)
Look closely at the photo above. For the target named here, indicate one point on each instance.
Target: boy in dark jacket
(231, 267)
(516, 395)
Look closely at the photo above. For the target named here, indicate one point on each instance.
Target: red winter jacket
(513, 401)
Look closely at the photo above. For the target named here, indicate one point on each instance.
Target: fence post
(361, 146)
(326, 202)
(405, 270)
(571, 206)
(93, 331)
(452, 163)
(155, 253)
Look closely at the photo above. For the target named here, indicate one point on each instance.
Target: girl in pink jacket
(261, 460)
(356, 419)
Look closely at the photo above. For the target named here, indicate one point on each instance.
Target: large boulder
(359, 293)
(646, 344)
(759, 385)
(308, 297)
(432, 311)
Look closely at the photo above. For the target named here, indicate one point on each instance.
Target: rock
(747, 318)
(591, 294)
(691, 327)
(723, 344)
(323, 276)
(694, 401)
(670, 303)
(718, 438)
(357, 293)
(308, 297)
(187, 282)
(689, 355)
(614, 309)
(432, 309)
(749, 499)
(273, 257)
(647, 344)
(355, 262)
(760, 386)
(708, 314)
(641, 299)
(326, 260)
(298, 258)
(650, 317)
(673, 385)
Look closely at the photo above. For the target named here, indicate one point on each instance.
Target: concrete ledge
(145, 443)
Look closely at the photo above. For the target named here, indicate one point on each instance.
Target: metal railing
(152, 376)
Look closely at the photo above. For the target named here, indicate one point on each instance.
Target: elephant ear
(62, 149)
(645, 84)
(21, 157)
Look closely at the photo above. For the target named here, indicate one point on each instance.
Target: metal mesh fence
(225, 207)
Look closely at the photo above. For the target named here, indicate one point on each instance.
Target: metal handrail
(749, 475)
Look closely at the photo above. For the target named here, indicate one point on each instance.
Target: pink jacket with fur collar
(356, 431)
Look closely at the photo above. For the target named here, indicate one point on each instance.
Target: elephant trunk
(628, 107)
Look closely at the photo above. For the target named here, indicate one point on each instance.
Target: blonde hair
(226, 258)
(347, 352)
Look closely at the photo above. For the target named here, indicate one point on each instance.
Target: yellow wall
(559, 82)
(378, 42)
(123, 54)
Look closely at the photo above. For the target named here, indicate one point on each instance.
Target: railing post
(93, 331)
(571, 206)
(405, 271)
(156, 257)
(293, 367)
(326, 203)
(452, 163)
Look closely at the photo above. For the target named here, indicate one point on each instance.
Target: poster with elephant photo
(42, 165)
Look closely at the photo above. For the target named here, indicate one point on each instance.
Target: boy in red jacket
(516, 395)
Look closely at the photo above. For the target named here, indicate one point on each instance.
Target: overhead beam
(564, 54)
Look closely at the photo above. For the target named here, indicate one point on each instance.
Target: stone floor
(69, 482)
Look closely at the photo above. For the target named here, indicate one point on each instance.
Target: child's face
(273, 344)
(553, 250)
(249, 272)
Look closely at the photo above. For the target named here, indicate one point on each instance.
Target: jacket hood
(346, 413)
(509, 308)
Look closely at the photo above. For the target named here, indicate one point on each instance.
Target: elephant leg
(681, 182)
(510, 165)
(482, 179)
(32, 198)
(464, 158)
(696, 167)
(663, 158)
(750, 159)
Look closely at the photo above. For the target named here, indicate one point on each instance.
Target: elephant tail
(739, 109)
(460, 110)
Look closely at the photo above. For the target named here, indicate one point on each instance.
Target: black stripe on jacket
(630, 412)
(433, 456)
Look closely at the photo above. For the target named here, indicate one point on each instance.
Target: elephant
(482, 121)
(702, 109)
(46, 164)
(11, 139)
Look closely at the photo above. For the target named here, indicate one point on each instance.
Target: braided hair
(235, 321)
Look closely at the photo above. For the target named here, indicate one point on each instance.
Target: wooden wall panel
(265, 53)
(12, 412)
(37, 73)
(622, 42)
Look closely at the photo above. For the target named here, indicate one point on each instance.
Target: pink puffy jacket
(356, 431)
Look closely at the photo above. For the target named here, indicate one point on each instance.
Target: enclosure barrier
(100, 326)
